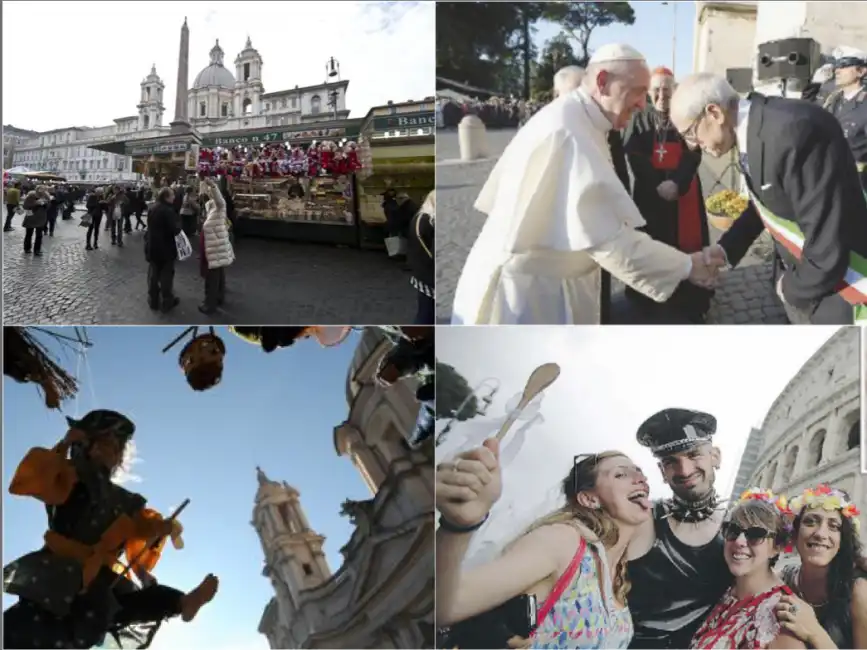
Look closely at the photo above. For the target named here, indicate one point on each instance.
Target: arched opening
(315, 104)
(248, 106)
(816, 444)
(147, 121)
(225, 110)
(789, 467)
(853, 439)
(771, 478)
(203, 109)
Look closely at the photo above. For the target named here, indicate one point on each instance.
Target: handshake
(706, 265)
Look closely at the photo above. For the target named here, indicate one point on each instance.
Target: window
(267, 106)
(248, 106)
(294, 102)
(147, 121)
(283, 103)
(225, 110)
(816, 445)
(246, 72)
(203, 109)
(308, 570)
(315, 104)
(148, 93)
(854, 432)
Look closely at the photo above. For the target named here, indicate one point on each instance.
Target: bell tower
(294, 559)
(150, 106)
(248, 87)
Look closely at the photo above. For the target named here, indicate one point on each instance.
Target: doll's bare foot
(192, 602)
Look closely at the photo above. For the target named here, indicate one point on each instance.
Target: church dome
(216, 73)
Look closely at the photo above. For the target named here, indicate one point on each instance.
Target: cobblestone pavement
(745, 295)
(271, 282)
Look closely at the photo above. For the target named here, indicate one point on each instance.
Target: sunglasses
(754, 534)
(580, 458)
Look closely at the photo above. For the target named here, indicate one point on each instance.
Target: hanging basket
(202, 361)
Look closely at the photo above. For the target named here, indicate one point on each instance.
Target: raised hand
(798, 618)
(469, 486)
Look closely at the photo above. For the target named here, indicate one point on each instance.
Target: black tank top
(674, 587)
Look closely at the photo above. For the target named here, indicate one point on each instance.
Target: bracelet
(449, 527)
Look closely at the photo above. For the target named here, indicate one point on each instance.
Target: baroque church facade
(218, 101)
(382, 596)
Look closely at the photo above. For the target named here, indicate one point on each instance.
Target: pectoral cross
(661, 151)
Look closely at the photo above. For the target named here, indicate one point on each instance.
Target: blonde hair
(582, 477)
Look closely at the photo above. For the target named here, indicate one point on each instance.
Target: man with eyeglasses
(804, 189)
(848, 103)
(676, 563)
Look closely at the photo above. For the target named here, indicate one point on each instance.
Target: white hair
(568, 79)
(429, 207)
(619, 69)
(698, 91)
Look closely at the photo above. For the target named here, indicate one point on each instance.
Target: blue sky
(276, 410)
(650, 34)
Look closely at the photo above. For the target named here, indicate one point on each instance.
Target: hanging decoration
(27, 360)
(327, 158)
(201, 359)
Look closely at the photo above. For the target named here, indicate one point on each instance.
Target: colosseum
(812, 432)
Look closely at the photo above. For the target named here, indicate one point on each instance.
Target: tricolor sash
(853, 286)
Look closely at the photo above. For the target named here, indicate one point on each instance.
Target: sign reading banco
(396, 122)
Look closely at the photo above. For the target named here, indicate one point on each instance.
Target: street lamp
(673, 36)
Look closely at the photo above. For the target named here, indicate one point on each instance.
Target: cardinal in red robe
(667, 191)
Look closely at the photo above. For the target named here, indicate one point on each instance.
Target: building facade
(383, 594)
(218, 102)
(811, 434)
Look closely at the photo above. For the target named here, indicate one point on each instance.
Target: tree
(558, 53)
(454, 393)
(474, 41)
(580, 19)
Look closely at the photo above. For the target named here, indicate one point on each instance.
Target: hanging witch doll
(70, 594)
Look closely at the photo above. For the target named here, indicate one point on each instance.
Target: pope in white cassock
(558, 213)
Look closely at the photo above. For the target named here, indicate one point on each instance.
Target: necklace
(800, 591)
(661, 129)
(691, 512)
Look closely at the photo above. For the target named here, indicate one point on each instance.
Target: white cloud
(612, 379)
(85, 66)
(125, 473)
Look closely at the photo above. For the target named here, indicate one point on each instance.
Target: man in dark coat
(164, 224)
(804, 189)
(669, 195)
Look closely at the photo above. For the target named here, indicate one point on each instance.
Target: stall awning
(149, 146)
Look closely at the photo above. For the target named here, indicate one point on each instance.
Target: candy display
(318, 199)
(278, 160)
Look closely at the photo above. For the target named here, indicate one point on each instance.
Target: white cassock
(557, 214)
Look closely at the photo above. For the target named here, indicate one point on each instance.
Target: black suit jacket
(801, 169)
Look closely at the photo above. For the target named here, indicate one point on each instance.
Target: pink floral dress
(745, 623)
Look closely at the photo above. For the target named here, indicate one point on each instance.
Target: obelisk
(181, 122)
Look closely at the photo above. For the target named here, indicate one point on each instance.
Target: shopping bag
(183, 246)
(86, 220)
(395, 246)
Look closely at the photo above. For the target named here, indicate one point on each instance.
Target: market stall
(398, 152)
(298, 185)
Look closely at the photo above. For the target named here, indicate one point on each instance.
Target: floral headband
(828, 498)
(780, 503)
(757, 494)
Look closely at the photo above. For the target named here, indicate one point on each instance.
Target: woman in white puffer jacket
(216, 248)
